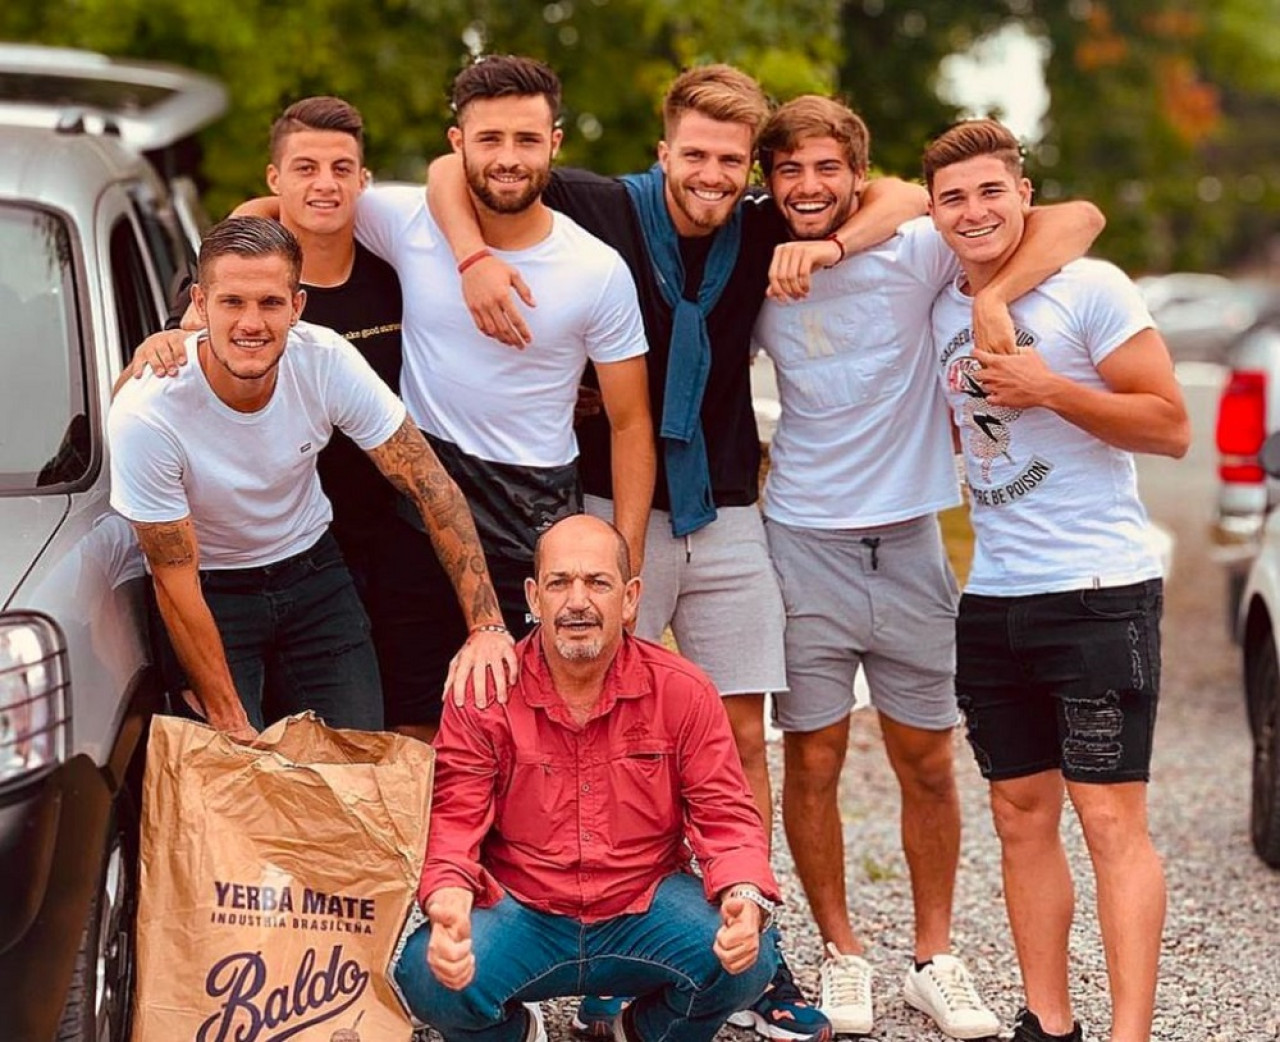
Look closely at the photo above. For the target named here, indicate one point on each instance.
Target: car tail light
(34, 720)
(1242, 427)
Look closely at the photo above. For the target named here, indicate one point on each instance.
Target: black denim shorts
(1065, 681)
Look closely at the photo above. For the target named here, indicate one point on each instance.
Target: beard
(579, 650)
(507, 203)
(707, 216)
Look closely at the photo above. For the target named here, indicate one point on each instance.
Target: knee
(812, 765)
(430, 1001)
(924, 766)
(749, 740)
(1024, 821)
(729, 992)
(1112, 835)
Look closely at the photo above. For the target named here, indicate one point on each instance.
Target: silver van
(98, 217)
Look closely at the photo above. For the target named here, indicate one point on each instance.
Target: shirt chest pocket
(842, 353)
(645, 789)
(540, 806)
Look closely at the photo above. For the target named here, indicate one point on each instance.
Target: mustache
(572, 615)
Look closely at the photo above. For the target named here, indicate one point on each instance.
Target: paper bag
(275, 880)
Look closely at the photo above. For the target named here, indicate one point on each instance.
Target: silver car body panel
(152, 105)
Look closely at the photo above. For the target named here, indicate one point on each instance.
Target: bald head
(579, 526)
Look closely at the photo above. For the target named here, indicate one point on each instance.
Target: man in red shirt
(562, 825)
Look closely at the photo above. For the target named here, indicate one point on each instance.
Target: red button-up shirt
(586, 820)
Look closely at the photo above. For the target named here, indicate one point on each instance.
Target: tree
(395, 59)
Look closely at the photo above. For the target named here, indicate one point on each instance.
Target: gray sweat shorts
(717, 591)
(883, 599)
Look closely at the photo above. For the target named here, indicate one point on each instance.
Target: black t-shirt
(603, 207)
(366, 309)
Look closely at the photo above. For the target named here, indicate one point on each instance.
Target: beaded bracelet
(490, 627)
(483, 252)
(833, 237)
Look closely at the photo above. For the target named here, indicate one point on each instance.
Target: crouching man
(557, 863)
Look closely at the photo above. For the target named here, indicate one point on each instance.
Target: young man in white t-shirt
(216, 469)
(1058, 640)
(860, 465)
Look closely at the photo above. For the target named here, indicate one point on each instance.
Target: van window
(44, 409)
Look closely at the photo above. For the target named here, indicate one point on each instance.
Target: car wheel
(1264, 681)
(99, 1002)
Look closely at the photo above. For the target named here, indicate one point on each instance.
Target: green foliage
(1164, 112)
(892, 51)
(395, 59)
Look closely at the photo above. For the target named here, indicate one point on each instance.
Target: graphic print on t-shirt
(989, 429)
(988, 426)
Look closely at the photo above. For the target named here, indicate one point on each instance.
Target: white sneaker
(846, 992)
(944, 990)
(536, 1030)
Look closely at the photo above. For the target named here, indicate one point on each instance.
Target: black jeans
(300, 623)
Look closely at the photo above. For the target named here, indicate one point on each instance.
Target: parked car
(1248, 410)
(1259, 617)
(1199, 314)
(97, 217)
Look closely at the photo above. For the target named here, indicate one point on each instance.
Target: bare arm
(489, 285)
(884, 206)
(624, 389)
(260, 206)
(1141, 410)
(1054, 236)
(408, 463)
(172, 553)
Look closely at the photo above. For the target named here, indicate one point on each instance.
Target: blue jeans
(663, 957)
(300, 623)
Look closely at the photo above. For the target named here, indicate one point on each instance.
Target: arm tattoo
(406, 460)
(168, 544)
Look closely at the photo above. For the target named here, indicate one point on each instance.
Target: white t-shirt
(864, 438)
(248, 480)
(1053, 507)
(495, 402)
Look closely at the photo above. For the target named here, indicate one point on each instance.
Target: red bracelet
(483, 252)
(833, 237)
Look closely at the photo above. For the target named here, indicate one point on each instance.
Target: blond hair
(719, 92)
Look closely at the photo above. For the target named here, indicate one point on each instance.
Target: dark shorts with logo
(1061, 681)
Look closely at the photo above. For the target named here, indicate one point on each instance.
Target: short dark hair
(813, 116)
(624, 551)
(250, 237)
(318, 113)
(969, 139)
(505, 76)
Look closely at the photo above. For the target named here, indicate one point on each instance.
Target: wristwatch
(767, 907)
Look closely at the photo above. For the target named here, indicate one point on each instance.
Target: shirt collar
(627, 678)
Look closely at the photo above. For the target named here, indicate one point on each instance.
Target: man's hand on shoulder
(795, 262)
(449, 952)
(161, 352)
(489, 651)
(489, 287)
(738, 939)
